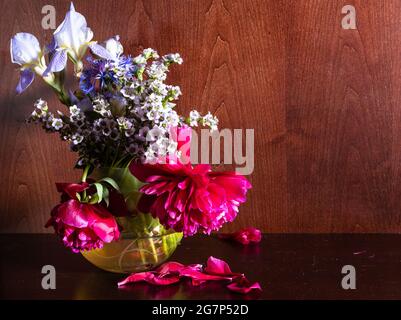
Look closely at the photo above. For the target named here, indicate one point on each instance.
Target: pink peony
(190, 199)
(82, 226)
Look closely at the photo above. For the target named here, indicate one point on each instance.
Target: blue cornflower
(98, 74)
(127, 66)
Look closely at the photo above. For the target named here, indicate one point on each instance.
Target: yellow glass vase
(134, 254)
(144, 243)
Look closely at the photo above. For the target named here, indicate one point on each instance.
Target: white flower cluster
(208, 120)
(129, 116)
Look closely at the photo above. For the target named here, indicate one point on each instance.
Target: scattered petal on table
(215, 270)
(245, 236)
(150, 277)
(242, 285)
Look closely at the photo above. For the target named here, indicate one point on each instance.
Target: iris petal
(101, 51)
(57, 62)
(25, 80)
(72, 35)
(24, 48)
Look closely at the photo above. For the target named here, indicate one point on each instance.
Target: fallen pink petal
(218, 267)
(245, 236)
(170, 267)
(151, 278)
(215, 270)
(199, 277)
(244, 286)
(134, 277)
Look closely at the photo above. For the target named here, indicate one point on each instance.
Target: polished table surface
(288, 266)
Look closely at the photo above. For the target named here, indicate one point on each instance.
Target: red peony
(190, 198)
(82, 226)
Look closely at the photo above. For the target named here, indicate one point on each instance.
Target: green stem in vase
(165, 245)
(154, 252)
(141, 252)
(149, 239)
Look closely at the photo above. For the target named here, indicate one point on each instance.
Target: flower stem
(150, 240)
(56, 82)
(85, 173)
(154, 252)
(84, 176)
(165, 244)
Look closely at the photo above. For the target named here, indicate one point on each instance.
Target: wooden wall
(325, 104)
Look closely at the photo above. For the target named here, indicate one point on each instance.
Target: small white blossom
(41, 105)
(210, 121)
(174, 92)
(157, 86)
(74, 110)
(129, 92)
(194, 117)
(77, 139)
(172, 147)
(49, 121)
(153, 115)
(57, 124)
(155, 133)
(150, 53)
(173, 58)
(142, 134)
(157, 70)
(150, 156)
(101, 105)
(140, 59)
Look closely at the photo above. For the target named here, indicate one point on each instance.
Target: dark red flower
(82, 226)
(190, 199)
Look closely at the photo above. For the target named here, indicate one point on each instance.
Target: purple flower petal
(100, 51)
(24, 48)
(57, 62)
(25, 80)
(51, 47)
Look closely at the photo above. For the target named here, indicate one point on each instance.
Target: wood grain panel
(340, 109)
(324, 103)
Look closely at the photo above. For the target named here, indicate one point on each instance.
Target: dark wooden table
(292, 266)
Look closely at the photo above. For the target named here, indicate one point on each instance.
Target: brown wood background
(325, 104)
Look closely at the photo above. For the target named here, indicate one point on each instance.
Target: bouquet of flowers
(132, 145)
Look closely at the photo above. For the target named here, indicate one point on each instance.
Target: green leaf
(106, 196)
(99, 191)
(111, 182)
